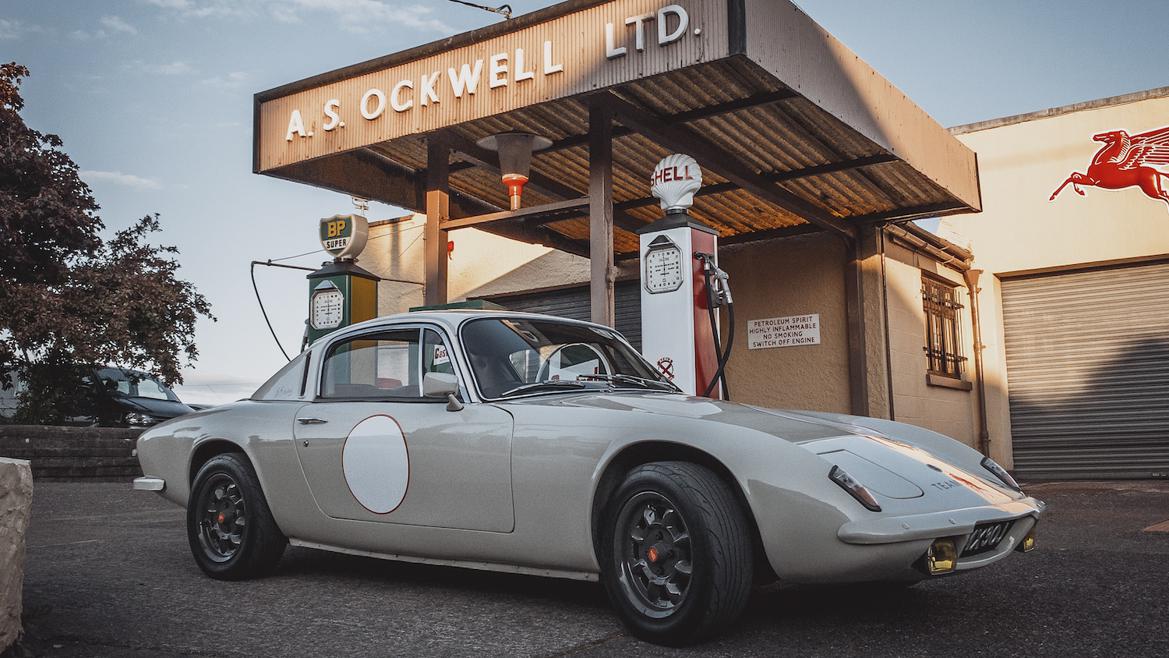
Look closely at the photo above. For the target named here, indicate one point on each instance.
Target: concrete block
(15, 510)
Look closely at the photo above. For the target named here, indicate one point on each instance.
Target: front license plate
(986, 537)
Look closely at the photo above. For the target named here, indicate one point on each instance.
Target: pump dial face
(328, 309)
(663, 269)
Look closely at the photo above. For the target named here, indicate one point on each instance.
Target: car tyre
(677, 557)
(229, 526)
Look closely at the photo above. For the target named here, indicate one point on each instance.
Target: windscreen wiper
(620, 378)
(535, 386)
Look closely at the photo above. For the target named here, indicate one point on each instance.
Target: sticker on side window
(440, 355)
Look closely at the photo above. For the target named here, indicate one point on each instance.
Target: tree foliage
(69, 299)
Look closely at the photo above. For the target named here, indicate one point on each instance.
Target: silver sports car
(539, 445)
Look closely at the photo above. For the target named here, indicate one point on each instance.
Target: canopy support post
(438, 211)
(601, 269)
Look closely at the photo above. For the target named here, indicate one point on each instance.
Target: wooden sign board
(594, 48)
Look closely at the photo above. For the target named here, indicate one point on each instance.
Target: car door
(373, 449)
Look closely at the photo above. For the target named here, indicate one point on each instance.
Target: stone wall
(15, 509)
(73, 453)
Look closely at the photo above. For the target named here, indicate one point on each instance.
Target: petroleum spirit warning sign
(787, 331)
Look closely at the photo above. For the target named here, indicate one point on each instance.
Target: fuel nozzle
(718, 280)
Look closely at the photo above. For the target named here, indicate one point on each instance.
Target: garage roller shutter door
(574, 303)
(1088, 367)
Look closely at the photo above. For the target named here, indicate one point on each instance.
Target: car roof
(455, 317)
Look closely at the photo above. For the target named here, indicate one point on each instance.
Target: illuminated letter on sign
(465, 79)
(335, 121)
(612, 51)
(429, 95)
(376, 111)
(497, 71)
(520, 73)
(639, 21)
(397, 104)
(683, 23)
(295, 125)
(549, 67)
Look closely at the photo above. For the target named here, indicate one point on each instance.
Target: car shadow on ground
(796, 605)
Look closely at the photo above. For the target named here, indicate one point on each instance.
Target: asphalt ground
(109, 573)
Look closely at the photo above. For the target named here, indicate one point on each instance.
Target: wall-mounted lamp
(515, 159)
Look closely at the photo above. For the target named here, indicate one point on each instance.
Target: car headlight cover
(1000, 473)
(135, 419)
(856, 489)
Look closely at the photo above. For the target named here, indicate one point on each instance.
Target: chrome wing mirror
(442, 385)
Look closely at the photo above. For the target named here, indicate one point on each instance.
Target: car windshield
(135, 384)
(512, 356)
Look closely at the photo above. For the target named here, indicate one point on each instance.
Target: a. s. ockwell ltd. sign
(593, 48)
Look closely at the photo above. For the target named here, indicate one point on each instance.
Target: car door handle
(311, 421)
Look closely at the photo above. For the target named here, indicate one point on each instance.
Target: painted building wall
(949, 411)
(1022, 160)
(777, 278)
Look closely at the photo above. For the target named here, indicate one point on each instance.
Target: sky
(153, 99)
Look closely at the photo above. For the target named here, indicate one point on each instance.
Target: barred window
(943, 336)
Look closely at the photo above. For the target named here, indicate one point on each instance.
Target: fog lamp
(942, 557)
(515, 159)
(1028, 543)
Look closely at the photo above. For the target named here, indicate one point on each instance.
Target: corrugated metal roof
(775, 139)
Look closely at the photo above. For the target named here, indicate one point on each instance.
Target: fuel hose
(723, 354)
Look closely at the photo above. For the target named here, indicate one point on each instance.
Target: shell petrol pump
(683, 287)
(341, 293)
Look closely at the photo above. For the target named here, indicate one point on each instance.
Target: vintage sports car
(540, 445)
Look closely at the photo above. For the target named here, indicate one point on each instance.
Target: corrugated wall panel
(1088, 366)
(573, 303)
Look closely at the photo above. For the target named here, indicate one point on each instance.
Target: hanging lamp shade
(515, 159)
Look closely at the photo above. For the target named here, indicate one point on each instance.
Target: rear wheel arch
(645, 452)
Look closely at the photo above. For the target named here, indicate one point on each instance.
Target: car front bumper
(951, 523)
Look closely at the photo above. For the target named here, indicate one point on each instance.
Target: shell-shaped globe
(675, 180)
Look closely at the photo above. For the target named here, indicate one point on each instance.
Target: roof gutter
(945, 252)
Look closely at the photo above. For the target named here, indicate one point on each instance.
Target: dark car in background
(132, 398)
(107, 397)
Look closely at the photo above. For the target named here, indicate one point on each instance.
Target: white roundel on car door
(376, 464)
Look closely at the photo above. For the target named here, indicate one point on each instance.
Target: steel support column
(602, 272)
(438, 210)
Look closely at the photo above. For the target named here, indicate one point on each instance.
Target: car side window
(374, 366)
(436, 356)
(285, 384)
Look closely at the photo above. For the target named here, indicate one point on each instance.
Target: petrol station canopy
(793, 131)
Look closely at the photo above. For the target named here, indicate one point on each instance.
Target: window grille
(942, 328)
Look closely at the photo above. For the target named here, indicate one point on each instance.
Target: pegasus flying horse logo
(1125, 161)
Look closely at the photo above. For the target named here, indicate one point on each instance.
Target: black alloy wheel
(224, 518)
(229, 526)
(677, 558)
(655, 555)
